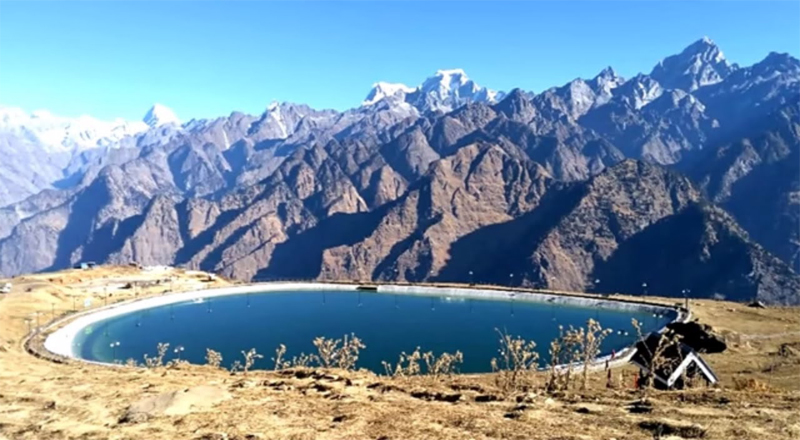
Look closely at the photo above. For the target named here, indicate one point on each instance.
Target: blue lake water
(388, 325)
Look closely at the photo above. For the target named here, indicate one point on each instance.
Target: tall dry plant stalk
(300, 361)
(518, 358)
(564, 350)
(250, 359)
(591, 342)
(278, 359)
(157, 361)
(656, 357)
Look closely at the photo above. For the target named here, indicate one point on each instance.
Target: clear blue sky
(204, 59)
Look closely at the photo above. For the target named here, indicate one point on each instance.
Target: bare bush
(574, 347)
(444, 365)
(517, 358)
(278, 359)
(564, 350)
(303, 360)
(655, 358)
(213, 358)
(328, 350)
(157, 361)
(249, 359)
(407, 364)
(590, 344)
(436, 366)
(331, 354)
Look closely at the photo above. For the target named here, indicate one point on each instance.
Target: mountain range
(687, 177)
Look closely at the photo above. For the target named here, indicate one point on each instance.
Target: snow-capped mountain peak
(449, 80)
(449, 89)
(159, 115)
(381, 90)
(446, 90)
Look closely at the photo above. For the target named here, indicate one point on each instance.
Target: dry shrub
(564, 350)
(278, 359)
(590, 344)
(157, 361)
(340, 353)
(250, 359)
(518, 358)
(571, 348)
(332, 354)
(213, 358)
(409, 364)
(657, 358)
(328, 350)
(303, 360)
(444, 365)
(750, 384)
(300, 361)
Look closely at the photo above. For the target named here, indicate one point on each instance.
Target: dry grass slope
(43, 400)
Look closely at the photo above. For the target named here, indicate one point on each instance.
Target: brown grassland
(759, 395)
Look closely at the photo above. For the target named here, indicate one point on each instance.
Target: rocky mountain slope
(756, 177)
(446, 181)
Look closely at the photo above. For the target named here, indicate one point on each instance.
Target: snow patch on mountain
(61, 134)
(274, 113)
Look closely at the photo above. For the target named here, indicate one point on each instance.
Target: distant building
(679, 362)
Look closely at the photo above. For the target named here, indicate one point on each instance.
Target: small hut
(678, 363)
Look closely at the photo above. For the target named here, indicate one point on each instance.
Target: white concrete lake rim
(60, 342)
